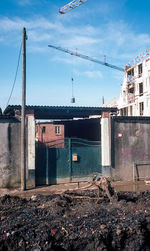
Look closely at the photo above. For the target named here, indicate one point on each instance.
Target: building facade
(46, 132)
(135, 93)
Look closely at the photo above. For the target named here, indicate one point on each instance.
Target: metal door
(67, 160)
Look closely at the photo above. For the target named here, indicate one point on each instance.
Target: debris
(118, 232)
(104, 186)
(54, 231)
(64, 222)
(102, 226)
(147, 182)
(33, 197)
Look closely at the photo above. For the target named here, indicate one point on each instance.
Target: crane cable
(14, 82)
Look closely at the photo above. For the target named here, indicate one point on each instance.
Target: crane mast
(73, 4)
(86, 57)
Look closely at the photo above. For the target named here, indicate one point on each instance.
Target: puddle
(131, 186)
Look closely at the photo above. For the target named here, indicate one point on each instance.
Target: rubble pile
(75, 220)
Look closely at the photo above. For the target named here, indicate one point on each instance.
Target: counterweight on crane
(86, 57)
(73, 4)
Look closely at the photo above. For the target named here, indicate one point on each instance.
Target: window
(130, 76)
(141, 108)
(43, 129)
(57, 130)
(131, 111)
(140, 89)
(140, 70)
(121, 112)
(131, 90)
(124, 111)
(131, 72)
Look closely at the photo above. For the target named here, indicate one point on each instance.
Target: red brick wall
(48, 134)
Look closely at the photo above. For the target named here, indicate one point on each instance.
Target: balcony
(131, 81)
(131, 98)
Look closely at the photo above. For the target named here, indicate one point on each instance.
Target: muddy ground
(75, 220)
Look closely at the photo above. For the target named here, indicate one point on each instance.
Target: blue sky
(117, 29)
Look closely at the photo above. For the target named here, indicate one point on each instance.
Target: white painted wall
(31, 143)
(105, 141)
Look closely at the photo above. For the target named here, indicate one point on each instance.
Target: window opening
(124, 111)
(140, 70)
(141, 108)
(140, 89)
(43, 129)
(121, 112)
(131, 72)
(130, 76)
(131, 111)
(57, 130)
(131, 90)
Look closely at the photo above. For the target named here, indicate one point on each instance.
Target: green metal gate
(67, 160)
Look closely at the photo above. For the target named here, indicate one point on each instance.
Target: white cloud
(71, 60)
(92, 74)
(39, 37)
(118, 40)
(36, 48)
(7, 24)
(79, 41)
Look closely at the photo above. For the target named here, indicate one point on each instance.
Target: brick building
(47, 131)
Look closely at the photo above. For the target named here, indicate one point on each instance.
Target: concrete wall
(130, 146)
(9, 153)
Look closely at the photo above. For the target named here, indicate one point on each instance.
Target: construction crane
(73, 4)
(86, 57)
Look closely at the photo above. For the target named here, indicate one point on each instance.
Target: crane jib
(71, 5)
(86, 57)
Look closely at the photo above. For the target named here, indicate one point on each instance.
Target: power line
(15, 75)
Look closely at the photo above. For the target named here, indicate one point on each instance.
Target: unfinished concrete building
(135, 93)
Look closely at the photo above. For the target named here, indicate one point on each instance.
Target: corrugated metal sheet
(59, 112)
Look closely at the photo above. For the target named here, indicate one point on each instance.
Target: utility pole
(23, 131)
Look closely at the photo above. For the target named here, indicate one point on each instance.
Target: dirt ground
(64, 217)
(46, 190)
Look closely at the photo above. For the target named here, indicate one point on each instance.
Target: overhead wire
(16, 73)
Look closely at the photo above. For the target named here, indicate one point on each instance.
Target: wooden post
(23, 140)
